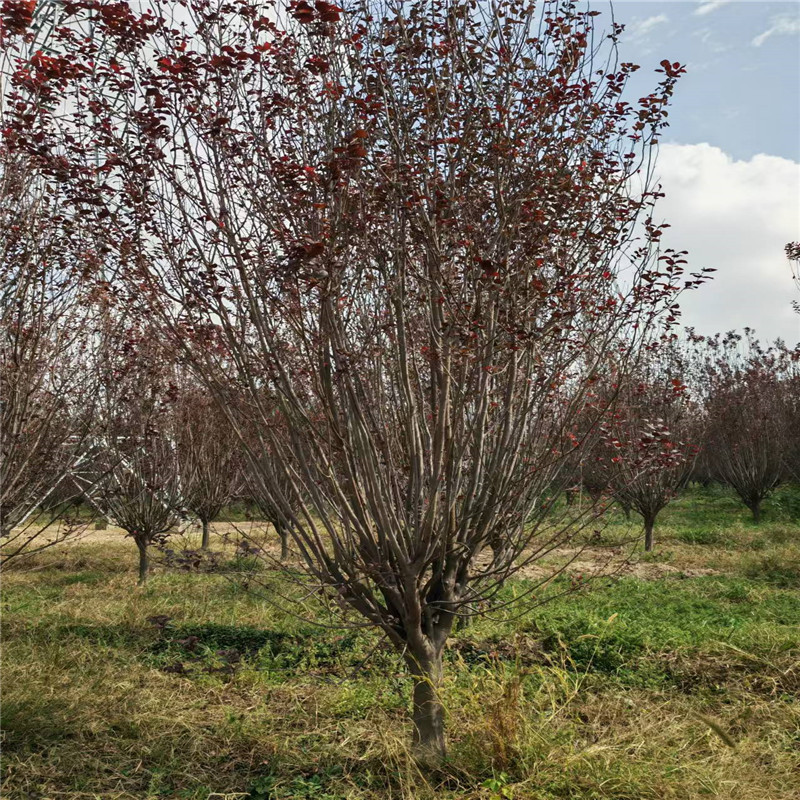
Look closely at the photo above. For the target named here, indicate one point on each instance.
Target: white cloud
(783, 25)
(735, 216)
(638, 30)
(707, 6)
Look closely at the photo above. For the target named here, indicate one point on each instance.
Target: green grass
(195, 688)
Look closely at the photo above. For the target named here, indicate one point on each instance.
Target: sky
(729, 163)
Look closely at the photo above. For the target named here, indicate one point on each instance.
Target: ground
(678, 679)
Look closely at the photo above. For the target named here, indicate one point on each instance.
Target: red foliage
(16, 16)
(302, 12)
(327, 11)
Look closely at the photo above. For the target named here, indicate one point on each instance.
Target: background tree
(208, 457)
(792, 450)
(793, 382)
(134, 474)
(649, 442)
(46, 348)
(407, 225)
(749, 411)
(262, 475)
(793, 254)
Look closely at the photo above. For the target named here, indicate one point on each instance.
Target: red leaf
(327, 11)
(17, 15)
(317, 65)
(302, 12)
(356, 150)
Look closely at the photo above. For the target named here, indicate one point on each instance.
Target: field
(679, 679)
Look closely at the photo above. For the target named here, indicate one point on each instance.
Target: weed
(703, 536)
(774, 570)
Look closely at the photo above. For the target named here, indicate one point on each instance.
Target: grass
(684, 684)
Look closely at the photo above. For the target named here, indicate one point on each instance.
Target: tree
(406, 225)
(46, 341)
(207, 455)
(276, 507)
(53, 296)
(792, 450)
(649, 441)
(134, 477)
(793, 254)
(140, 490)
(793, 382)
(748, 407)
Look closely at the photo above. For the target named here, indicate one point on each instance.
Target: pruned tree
(402, 228)
(133, 477)
(208, 457)
(749, 411)
(46, 342)
(650, 438)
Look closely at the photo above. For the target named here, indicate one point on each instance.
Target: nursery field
(679, 678)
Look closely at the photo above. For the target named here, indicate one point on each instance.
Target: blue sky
(742, 87)
(730, 161)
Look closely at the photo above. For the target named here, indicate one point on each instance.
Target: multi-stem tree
(650, 439)
(134, 474)
(52, 297)
(208, 457)
(749, 412)
(140, 489)
(267, 447)
(402, 227)
(46, 347)
(263, 476)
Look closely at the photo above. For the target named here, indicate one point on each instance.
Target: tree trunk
(204, 544)
(428, 711)
(144, 565)
(649, 523)
(284, 537)
(755, 507)
(463, 621)
(501, 551)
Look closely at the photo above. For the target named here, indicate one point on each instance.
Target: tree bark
(284, 537)
(649, 523)
(428, 711)
(756, 509)
(463, 621)
(204, 544)
(144, 564)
